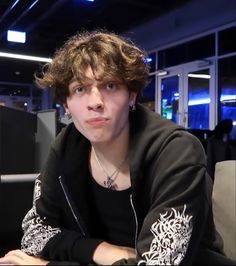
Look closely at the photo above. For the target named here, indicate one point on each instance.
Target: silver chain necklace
(110, 181)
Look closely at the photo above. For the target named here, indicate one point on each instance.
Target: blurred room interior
(191, 47)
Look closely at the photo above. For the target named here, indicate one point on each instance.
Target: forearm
(71, 246)
(107, 254)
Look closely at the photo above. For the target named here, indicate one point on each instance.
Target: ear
(66, 108)
(67, 112)
(132, 98)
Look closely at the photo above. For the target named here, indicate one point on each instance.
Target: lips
(97, 122)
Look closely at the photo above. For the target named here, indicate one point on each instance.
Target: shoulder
(147, 127)
(151, 135)
(149, 122)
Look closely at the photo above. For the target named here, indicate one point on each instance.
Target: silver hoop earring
(68, 115)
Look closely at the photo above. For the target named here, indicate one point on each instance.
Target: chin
(100, 139)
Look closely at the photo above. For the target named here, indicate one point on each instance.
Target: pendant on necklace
(109, 183)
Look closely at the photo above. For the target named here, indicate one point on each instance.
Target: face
(100, 108)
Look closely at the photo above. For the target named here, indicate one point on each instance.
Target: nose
(95, 99)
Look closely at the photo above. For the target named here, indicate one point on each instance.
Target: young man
(121, 184)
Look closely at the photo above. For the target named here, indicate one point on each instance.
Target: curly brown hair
(116, 56)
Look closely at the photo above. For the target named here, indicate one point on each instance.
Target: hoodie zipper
(136, 222)
(70, 206)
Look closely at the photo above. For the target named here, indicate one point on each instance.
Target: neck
(109, 163)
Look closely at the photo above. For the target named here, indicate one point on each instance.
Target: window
(227, 41)
(193, 50)
(148, 93)
(227, 90)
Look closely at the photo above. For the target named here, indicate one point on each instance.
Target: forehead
(90, 75)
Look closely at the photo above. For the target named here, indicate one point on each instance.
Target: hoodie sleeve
(173, 227)
(43, 232)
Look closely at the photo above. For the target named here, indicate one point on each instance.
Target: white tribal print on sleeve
(171, 234)
(36, 234)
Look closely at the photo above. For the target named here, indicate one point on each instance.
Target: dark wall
(17, 141)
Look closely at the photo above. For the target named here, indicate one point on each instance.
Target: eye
(80, 90)
(111, 86)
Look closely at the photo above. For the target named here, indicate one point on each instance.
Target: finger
(14, 252)
(10, 260)
(18, 253)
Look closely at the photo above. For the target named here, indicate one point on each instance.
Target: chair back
(224, 204)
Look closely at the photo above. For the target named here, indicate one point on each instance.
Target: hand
(107, 254)
(18, 257)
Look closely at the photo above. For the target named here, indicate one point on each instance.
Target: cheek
(79, 124)
(122, 113)
(121, 101)
(74, 106)
(122, 107)
(76, 111)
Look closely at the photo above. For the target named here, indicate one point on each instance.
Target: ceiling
(48, 23)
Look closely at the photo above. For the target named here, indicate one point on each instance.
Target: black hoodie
(171, 198)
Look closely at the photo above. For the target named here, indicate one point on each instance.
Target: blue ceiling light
(83, 2)
(147, 59)
(35, 2)
(14, 4)
(8, 10)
